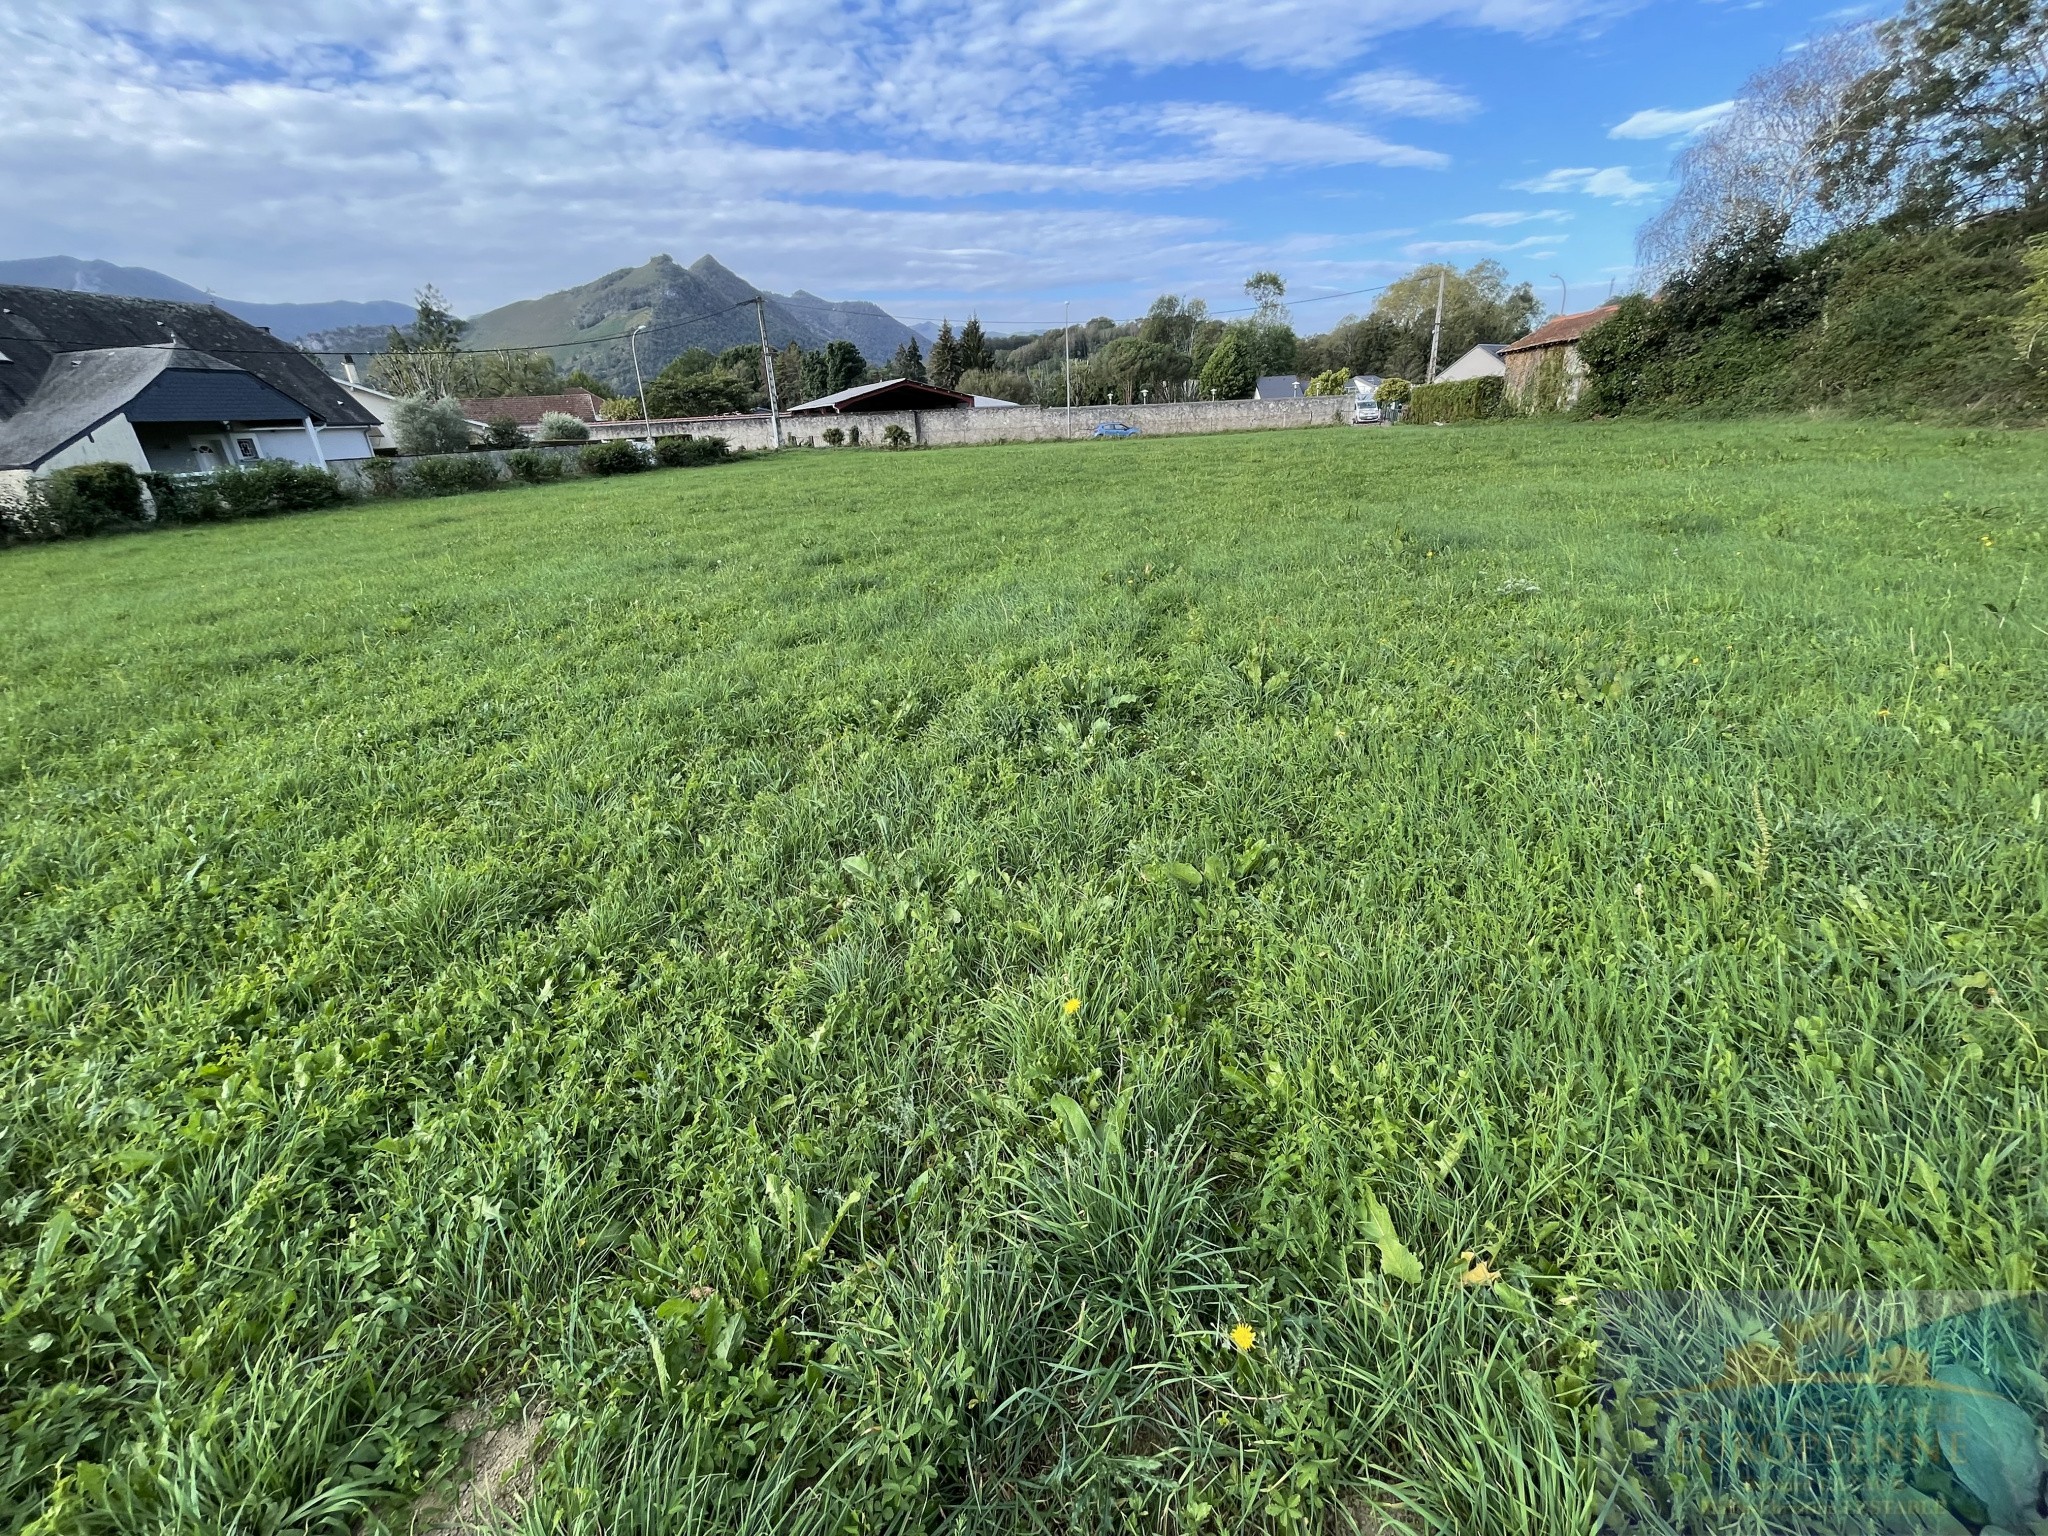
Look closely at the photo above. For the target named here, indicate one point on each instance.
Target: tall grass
(992, 991)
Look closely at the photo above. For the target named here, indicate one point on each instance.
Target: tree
(561, 427)
(1138, 367)
(578, 379)
(1394, 391)
(907, 362)
(684, 388)
(973, 346)
(1228, 374)
(1174, 322)
(943, 366)
(1952, 121)
(488, 375)
(420, 360)
(1335, 382)
(429, 424)
(503, 432)
(1765, 161)
(2031, 329)
(1479, 306)
(844, 367)
(1267, 290)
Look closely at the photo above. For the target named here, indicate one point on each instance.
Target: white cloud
(1263, 139)
(1613, 182)
(1397, 93)
(1422, 250)
(1660, 123)
(1507, 218)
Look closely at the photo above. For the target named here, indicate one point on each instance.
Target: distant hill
(702, 305)
(291, 322)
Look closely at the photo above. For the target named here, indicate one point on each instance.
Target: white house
(1482, 362)
(179, 388)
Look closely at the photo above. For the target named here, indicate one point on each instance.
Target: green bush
(88, 498)
(1463, 400)
(380, 476)
(833, 437)
(268, 489)
(450, 476)
(503, 432)
(618, 457)
(1393, 392)
(534, 466)
(561, 427)
(896, 436)
(423, 425)
(686, 451)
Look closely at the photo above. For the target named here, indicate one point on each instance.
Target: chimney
(348, 367)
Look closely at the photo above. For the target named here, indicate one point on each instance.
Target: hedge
(1464, 400)
(685, 452)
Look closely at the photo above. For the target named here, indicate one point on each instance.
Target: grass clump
(999, 990)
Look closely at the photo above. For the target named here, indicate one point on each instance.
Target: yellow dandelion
(1243, 1337)
(1985, 541)
(1479, 1274)
(1071, 1005)
(1884, 714)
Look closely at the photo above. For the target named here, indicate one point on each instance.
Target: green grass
(612, 944)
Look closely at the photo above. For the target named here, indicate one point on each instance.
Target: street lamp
(1563, 295)
(633, 340)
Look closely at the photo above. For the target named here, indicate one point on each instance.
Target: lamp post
(1564, 301)
(633, 340)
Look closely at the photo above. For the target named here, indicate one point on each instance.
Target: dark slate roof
(884, 395)
(133, 341)
(1281, 386)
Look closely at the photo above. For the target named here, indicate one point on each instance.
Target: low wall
(350, 471)
(1020, 424)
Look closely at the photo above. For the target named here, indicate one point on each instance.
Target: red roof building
(527, 410)
(1544, 371)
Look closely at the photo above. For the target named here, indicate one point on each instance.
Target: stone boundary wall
(1021, 424)
(350, 471)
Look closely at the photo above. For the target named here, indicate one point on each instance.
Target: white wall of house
(1476, 364)
(110, 442)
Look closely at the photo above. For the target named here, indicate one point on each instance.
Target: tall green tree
(844, 367)
(1229, 374)
(973, 346)
(907, 362)
(420, 360)
(942, 367)
(1954, 121)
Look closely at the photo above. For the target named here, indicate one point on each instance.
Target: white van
(1365, 410)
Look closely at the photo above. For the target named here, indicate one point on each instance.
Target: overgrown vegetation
(1015, 990)
(1460, 400)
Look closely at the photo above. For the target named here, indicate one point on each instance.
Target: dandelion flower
(1479, 1274)
(1071, 1005)
(1243, 1337)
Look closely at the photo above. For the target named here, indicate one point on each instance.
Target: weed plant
(1025, 989)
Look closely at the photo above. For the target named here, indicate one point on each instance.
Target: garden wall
(1021, 424)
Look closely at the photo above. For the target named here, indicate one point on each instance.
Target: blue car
(1114, 429)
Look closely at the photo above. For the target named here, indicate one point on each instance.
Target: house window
(246, 447)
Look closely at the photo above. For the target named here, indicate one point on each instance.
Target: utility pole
(633, 338)
(1067, 340)
(1436, 331)
(768, 367)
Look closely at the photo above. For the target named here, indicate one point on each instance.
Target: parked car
(1365, 413)
(1114, 429)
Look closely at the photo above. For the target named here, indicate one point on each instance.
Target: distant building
(177, 388)
(1366, 385)
(887, 395)
(527, 410)
(1482, 362)
(1543, 370)
(1281, 386)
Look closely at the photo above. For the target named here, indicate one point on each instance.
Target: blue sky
(941, 156)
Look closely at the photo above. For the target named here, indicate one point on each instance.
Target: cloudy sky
(937, 155)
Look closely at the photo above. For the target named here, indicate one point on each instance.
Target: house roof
(527, 410)
(1280, 386)
(1563, 329)
(133, 342)
(884, 395)
(81, 390)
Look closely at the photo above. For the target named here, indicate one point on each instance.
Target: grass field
(1005, 989)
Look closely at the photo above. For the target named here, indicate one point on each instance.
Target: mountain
(705, 304)
(289, 322)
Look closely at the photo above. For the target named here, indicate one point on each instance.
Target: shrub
(685, 451)
(896, 436)
(268, 489)
(422, 425)
(561, 427)
(535, 467)
(1462, 400)
(618, 457)
(625, 408)
(379, 477)
(88, 498)
(853, 437)
(1393, 392)
(1333, 382)
(834, 437)
(450, 476)
(503, 432)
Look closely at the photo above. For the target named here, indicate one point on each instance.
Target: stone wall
(1021, 424)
